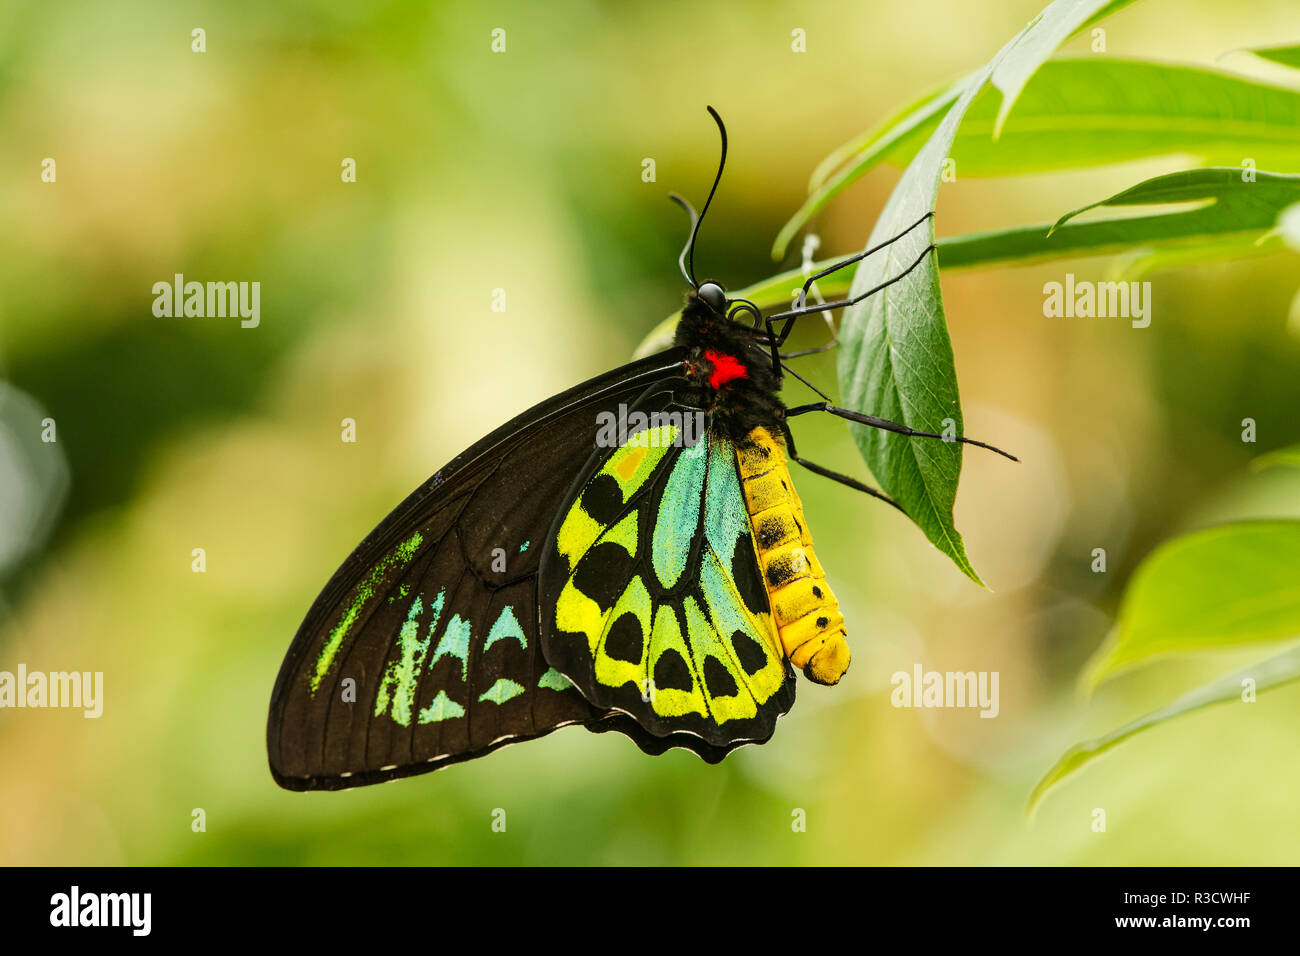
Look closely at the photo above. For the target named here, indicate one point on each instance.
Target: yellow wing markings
(711, 620)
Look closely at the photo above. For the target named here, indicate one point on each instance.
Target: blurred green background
(522, 171)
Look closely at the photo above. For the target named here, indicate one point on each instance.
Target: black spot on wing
(602, 499)
(718, 679)
(750, 653)
(624, 641)
(602, 573)
(744, 570)
(671, 672)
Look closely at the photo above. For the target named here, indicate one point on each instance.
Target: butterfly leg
(832, 475)
(813, 351)
(793, 314)
(887, 425)
(802, 300)
(778, 357)
(802, 307)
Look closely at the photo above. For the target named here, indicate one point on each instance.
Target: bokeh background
(522, 171)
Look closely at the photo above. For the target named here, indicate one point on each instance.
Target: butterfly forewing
(424, 648)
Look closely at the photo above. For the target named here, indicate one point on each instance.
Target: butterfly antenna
(695, 217)
(689, 252)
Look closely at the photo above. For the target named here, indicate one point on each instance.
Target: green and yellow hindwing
(652, 598)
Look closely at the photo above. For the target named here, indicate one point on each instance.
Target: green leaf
(1273, 672)
(1216, 589)
(1282, 458)
(1080, 113)
(1039, 40)
(895, 357)
(1285, 55)
(1219, 208)
(1243, 204)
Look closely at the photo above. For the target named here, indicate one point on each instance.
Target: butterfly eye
(712, 295)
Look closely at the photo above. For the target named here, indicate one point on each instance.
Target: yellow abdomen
(805, 611)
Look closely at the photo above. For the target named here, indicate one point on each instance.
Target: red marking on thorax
(725, 368)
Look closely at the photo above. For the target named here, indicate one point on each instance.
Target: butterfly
(630, 555)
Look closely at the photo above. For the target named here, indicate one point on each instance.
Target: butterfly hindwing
(424, 650)
(652, 597)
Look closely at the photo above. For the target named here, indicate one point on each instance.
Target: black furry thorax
(729, 371)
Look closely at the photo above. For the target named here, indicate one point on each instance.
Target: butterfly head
(718, 305)
(714, 296)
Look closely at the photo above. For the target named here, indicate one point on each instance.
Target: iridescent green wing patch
(433, 655)
(364, 592)
(653, 602)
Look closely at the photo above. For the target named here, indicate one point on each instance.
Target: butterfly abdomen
(804, 608)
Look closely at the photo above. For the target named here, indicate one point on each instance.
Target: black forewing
(416, 616)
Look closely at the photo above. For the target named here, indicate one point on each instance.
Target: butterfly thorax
(730, 374)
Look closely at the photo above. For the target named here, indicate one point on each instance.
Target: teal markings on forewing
(401, 677)
(501, 691)
(454, 643)
(679, 518)
(554, 680)
(506, 625)
(524, 547)
(442, 708)
(399, 557)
